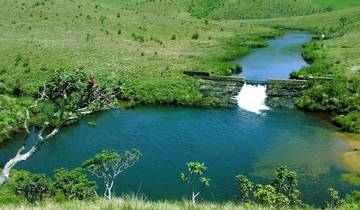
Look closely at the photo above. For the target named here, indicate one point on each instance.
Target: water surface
(229, 141)
(281, 57)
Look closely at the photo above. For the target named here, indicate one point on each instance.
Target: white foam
(252, 98)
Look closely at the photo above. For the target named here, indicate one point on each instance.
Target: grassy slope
(260, 9)
(133, 46)
(337, 4)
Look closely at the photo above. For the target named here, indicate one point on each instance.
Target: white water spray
(252, 98)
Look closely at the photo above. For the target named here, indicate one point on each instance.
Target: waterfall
(252, 98)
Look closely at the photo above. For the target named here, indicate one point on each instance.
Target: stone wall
(284, 92)
(280, 92)
(224, 88)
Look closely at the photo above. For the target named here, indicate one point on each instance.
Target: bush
(340, 96)
(281, 192)
(34, 187)
(195, 36)
(74, 184)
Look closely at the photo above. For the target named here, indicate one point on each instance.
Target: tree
(107, 165)
(246, 188)
(195, 172)
(74, 184)
(343, 21)
(268, 196)
(34, 187)
(66, 97)
(281, 192)
(286, 183)
(335, 201)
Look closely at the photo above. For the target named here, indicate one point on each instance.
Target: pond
(230, 141)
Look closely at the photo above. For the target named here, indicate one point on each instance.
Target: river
(230, 141)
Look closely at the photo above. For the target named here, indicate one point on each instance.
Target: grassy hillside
(237, 9)
(337, 4)
(249, 9)
(142, 52)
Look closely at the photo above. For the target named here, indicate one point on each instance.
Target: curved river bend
(229, 141)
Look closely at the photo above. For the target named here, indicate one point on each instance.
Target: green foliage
(195, 36)
(245, 187)
(313, 53)
(286, 183)
(12, 115)
(106, 159)
(80, 90)
(34, 187)
(268, 196)
(339, 96)
(335, 201)
(349, 122)
(107, 165)
(195, 176)
(74, 184)
(353, 198)
(281, 192)
(196, 170)
(8, 194)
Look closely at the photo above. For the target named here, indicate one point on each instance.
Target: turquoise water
(230, 141)
(278, 59)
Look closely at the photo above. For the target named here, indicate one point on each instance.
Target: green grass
(337, 4)
(130, 43)
(140, 203)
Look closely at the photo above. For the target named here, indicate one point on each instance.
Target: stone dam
(281, 93)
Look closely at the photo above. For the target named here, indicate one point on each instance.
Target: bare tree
(64, 112)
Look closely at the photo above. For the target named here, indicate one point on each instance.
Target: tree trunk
(194, 197)
(15, 160)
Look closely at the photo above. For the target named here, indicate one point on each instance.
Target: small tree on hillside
(343, 21)
(107, 165)
(195, 172)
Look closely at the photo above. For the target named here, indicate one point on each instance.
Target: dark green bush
(34, 187)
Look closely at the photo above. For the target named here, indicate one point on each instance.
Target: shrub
(34, 187)
(195, 36)
(74, 184)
